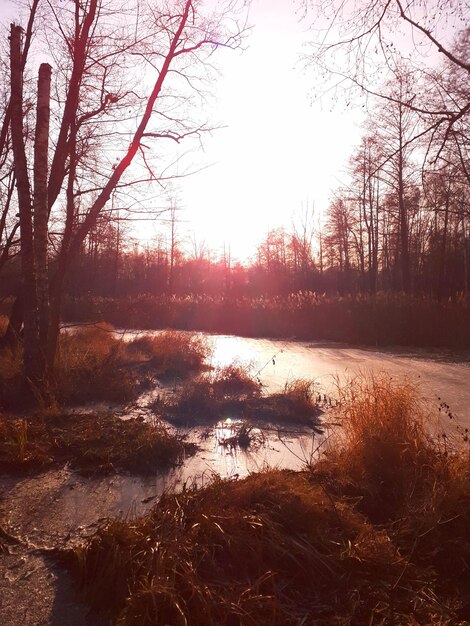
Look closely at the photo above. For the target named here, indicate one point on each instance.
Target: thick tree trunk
(33, 220)
(40, 206)
(28, 272)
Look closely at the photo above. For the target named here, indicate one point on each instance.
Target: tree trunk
(28, 271)
(404, 235)
(442, 291)
(40, 206)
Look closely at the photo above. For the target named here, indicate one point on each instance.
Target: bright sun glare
(278, 152)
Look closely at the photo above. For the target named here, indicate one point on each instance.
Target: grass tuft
(296, 403)
(384, 445)
(173, 353)
(271, 549)
(233, 390)
(89, 367)
(209, 395)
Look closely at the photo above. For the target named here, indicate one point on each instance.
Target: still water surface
(438, 377)
(436, 374)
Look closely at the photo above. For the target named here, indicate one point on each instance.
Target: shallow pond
(438, 376)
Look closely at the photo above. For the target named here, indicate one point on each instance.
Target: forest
(400, 226)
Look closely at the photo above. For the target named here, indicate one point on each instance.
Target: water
(60, 506)
(438, 377)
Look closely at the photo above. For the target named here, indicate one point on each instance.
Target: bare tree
(103, 134)
(362, 45)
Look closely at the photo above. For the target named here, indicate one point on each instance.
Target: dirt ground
(47, 511)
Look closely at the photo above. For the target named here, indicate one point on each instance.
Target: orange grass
(93, 364)
(272, 549)
(233, 390)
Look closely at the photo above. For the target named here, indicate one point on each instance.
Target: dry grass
(173, 353)
(416, 485)
(208, 396)
(89, 367)
(270, 550)
(232, 390)
(296, 404)
(375, 533)
(235, 381)
(384, 319)
(90, 443)
(94, 365)
(384, 444)
(11, 361)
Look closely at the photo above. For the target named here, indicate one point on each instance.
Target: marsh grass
(385, 444)
(414, 482)
(383, 319)
(90, 443)
(374, 533)
(272, 549)
(172, 353)
(90, 367)
(206, 397)
(233, 390)
(296, 403)
(243, 435)
(93, 364)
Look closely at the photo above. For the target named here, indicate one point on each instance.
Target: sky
(280, 151)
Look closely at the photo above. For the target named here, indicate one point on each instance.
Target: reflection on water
(435, 374)
(61, 507)
(277, 361)
(221, 454)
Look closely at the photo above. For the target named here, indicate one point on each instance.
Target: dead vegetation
(375, 533)
(90, 443)
(172, 354)
(412, 481)
(271, 549)
(232, 390)
(93, 364)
